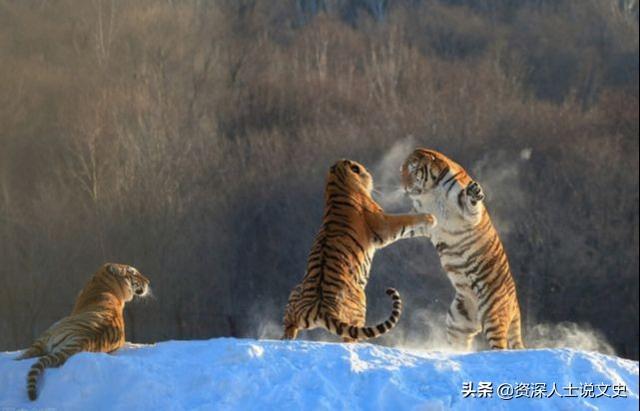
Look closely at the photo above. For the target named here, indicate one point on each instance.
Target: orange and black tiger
(96, 323)
(469, 248)
(354, 226)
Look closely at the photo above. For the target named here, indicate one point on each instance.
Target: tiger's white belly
(447, 222)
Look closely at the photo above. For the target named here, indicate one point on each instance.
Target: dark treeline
(191, 140)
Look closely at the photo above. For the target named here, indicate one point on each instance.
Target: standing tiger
(470, 251)
(332, 293)
(96, 323)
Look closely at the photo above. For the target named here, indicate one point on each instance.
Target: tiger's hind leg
(359, 322)
(37, 349)
(514, 335)
(290, 327)
(289, 321)
(33, 351)
(462, 323)
(290, 332)
(495, 329)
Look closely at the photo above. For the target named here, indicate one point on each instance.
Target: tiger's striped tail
(344, 330)
(47, 361)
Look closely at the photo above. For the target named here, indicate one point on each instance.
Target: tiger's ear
(440, 164)
(112, 269)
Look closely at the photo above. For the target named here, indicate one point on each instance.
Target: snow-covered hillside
(247, 374)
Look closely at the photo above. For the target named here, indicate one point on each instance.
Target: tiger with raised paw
(332, 292)
(469, 248)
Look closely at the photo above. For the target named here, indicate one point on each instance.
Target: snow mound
(229, 373)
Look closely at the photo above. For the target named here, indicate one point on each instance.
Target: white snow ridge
(230, 374)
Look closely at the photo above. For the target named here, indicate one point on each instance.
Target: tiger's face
(422, 171)
(353, 173)
(134, 282)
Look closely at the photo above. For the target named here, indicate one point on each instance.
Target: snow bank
(247, 374)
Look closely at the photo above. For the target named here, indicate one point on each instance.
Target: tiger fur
(96, 323)
(470, 251)
(332, 292)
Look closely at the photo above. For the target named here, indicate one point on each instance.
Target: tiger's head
(130, 280)
(120, 281)
(353, 174)
(424, 169)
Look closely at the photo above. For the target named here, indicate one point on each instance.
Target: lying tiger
(96, 323)
(470, 251)
(332, 293)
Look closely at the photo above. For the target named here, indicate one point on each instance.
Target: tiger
(95, 324)
(332, 292)
(469, 249)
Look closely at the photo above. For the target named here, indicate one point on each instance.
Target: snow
(229, 373)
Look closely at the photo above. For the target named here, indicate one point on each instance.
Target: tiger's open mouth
(141, 291)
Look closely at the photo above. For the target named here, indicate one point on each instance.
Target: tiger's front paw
(474, 192)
